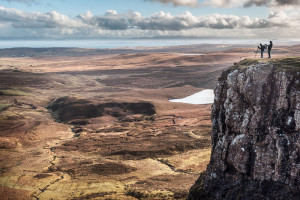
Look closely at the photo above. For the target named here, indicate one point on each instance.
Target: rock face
(256, 133)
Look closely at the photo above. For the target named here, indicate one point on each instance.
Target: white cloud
(54, 25)
(190, 3)
(282, 19)
(111, 20)
(272, 3)
(20, 19)
(249, 3)
(224, 3)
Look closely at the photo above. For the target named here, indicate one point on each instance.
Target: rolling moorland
(98, 124)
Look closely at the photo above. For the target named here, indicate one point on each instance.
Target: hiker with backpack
(270, 48)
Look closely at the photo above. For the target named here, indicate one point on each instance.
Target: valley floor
(102, 127)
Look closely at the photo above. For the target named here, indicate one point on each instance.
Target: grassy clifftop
(285, 63)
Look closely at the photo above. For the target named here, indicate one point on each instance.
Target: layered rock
(256, 133)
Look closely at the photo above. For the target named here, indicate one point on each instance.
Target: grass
(4, 107)
(12, 92)
(292, 63)
(246, 63)
(162, 194)
(286, 63)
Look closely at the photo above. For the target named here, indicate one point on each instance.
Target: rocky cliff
(255, 134)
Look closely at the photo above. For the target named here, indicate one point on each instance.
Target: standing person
(270, 48)
(262, 48)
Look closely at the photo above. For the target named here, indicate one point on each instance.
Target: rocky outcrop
(256, 133)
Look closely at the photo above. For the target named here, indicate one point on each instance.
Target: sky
(131, 19)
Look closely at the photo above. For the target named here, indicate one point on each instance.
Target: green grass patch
(292, 63)
(286, 63)
(148, 194)
(12, 92)
(4, 107)
(247, 62)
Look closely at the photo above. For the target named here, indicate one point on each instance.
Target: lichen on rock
(256, 133)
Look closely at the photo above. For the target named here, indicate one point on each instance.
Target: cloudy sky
(99, 19)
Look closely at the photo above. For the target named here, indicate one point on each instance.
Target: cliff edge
(255, 134)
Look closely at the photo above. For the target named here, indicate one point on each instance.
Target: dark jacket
(262, 48)
(270, 46)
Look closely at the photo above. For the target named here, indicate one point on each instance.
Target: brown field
(97, 124)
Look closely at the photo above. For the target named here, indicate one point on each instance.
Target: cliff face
(256, 133)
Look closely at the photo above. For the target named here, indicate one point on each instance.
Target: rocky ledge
(256, 133)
